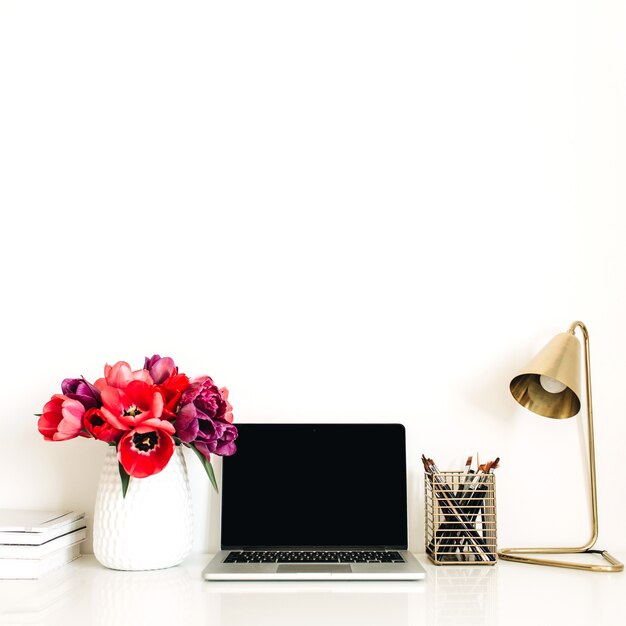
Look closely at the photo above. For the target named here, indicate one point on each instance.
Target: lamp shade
(560, 361)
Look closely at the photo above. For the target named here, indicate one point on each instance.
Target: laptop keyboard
(314, 556)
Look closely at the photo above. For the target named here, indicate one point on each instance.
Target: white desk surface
(85, 593)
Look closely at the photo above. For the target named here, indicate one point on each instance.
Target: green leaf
(125, 479)
(208, 468)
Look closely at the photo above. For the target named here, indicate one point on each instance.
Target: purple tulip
(160, 368)
(186, 423)
(220, 437)
(206, 397)
(202, 419)
(216, 437)
(83, 391)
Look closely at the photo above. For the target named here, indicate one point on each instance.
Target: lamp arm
(592, 454)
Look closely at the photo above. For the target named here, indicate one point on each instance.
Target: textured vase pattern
(151, 528)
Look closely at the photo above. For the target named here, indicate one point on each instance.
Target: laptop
(315, 502)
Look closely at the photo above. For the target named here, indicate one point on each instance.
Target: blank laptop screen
(315, 485)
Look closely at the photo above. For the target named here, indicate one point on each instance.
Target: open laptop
(315, 502)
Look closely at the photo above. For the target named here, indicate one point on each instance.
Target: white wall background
(357, 211)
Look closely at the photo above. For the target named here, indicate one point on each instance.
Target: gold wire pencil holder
(460, 518)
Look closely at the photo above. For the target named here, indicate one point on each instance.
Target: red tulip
(96, 425)
(139, 404)
(172, 390)
(145, 451)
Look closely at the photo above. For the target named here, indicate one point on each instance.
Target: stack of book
(33, 543)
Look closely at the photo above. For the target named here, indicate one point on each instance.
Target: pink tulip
(160, 368)
(228, 412)
(119, 375)
(62, 418)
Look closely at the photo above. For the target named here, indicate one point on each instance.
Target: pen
(454, 511)
(463, 480)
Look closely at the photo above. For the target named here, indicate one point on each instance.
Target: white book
(37, 527)
(24, 551)
(34, 568)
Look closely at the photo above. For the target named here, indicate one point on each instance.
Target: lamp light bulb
(551, 385)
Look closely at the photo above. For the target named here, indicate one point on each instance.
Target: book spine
(34, 568)
(39, 538)
(39, 551)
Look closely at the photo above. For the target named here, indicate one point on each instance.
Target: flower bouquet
(144, 413)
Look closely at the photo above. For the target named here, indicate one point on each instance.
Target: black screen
(315, 485)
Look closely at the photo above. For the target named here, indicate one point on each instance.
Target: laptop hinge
(315, 548)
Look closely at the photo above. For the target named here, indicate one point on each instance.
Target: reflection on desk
(462, 595)
(86, 593)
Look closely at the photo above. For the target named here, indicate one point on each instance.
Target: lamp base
(515, 554)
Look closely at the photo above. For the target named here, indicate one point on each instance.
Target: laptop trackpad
(311, 567)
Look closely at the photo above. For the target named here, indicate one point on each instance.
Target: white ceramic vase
(151, 528)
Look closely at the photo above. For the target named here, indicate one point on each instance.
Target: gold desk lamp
(550, 386)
